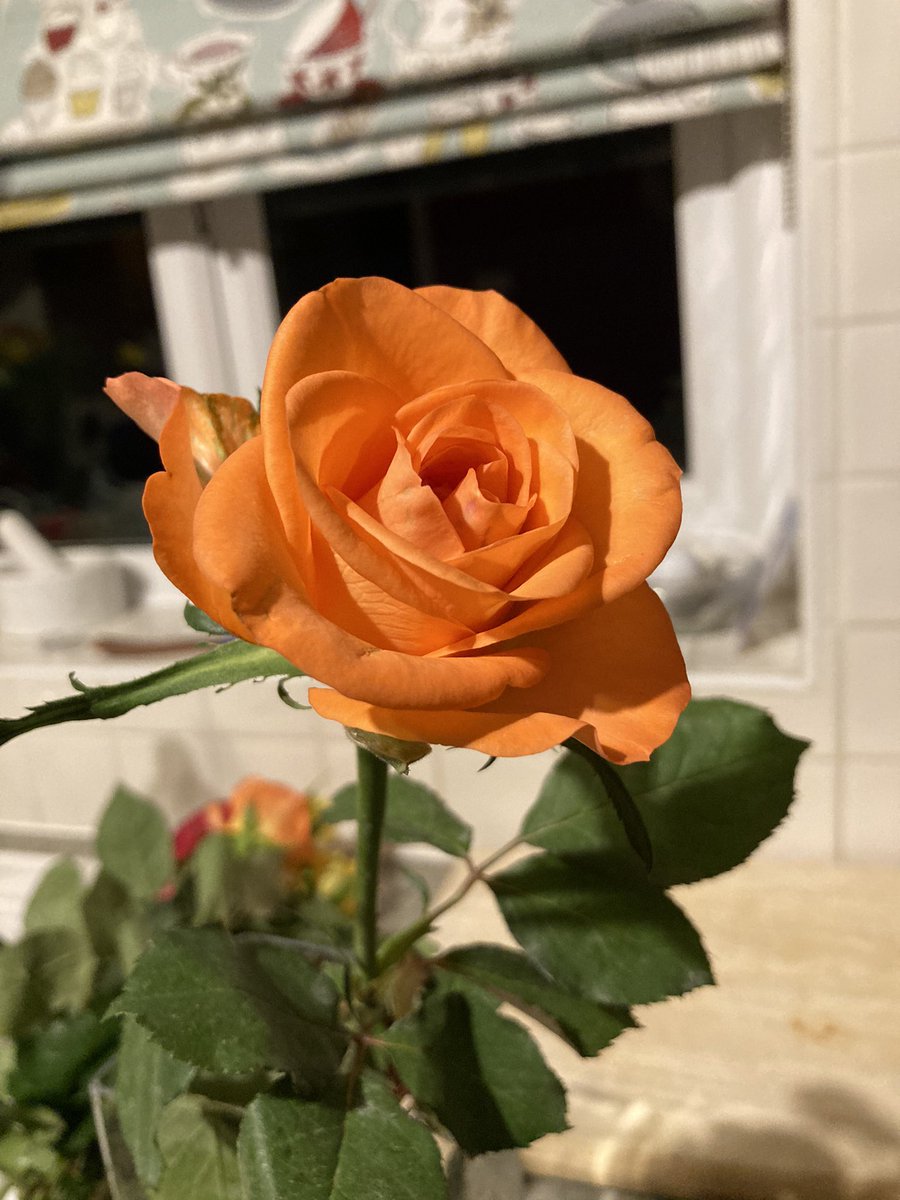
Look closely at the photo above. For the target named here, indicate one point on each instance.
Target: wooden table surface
(783, 1082)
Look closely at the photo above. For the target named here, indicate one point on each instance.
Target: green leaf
(509, 976)
(147, 1078)
(134, 844)
(56, 901)
(234, 1007)
(620, 798)
(23, 1155)
(198, 1153)
(197, 619)
(386, 1154)
(572, 811)
(233, 662)
(418, 883)
(716, 789)
(209, 865)
(288, 1149)
(57, 949)
(481, 1074)
(235, 886)
(599, 927)
(13, 985)
(59, 1059)
(415, 813)
(118, 924)
(7, 1063)
(61, 966)
(293, 1150)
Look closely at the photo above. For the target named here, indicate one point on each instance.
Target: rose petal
(218, 423)
(148, 401)
(623, 701)
(408, 507)
(376, 328)
(506, 735)
(340, 426)
(282, 816)
(541, 614)
(548, 466)
(240, 545)
(320, 414)
(498, 563)
(462, 431)
(515, 339)
(364, 609)
(560, 570)
(398, 567)
(480, 521)
(630, 685)
(170, 501)
(627, 495)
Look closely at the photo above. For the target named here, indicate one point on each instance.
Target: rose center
(447, 464)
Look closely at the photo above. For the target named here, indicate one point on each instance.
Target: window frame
(214, 292)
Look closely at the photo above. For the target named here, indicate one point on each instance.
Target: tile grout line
(839, 41)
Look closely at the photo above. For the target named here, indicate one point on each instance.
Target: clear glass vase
(488, 1177)
(117, 1161)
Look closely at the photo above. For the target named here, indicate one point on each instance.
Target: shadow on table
(836, 1147)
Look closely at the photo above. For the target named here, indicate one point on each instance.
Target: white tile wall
(74, 770)
(816, 47)
(871, 676)
(808, 833)
(16, 792)
(493, 800)
(869, 32)
(847, 109)
(169, 767)
(823, 412)
(868, 241)
(822, 565)
(869, 536)
(820, 216)
(869, 414)
(870, 824)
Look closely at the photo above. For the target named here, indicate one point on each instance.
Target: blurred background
(695, 199)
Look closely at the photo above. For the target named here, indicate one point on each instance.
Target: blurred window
(581, 235)
(75, 306)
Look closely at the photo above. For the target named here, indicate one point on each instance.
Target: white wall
(847, 107)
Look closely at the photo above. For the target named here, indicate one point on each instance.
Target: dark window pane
(75, 306)
(581, 235)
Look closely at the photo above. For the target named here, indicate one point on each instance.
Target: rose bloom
(435, 519)
(276, 815)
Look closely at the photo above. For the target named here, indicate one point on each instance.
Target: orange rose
(272, 812)
(277, 813)
(438, 520)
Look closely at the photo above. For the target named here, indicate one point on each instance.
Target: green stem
(232, 662)
(371, 801)
(311, 950)
(394, 947)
